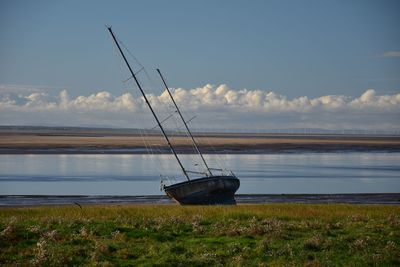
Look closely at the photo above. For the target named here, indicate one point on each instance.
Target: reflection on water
(140, 174)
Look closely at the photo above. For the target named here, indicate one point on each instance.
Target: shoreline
(48, 142)
(242, 199)
(228, 152)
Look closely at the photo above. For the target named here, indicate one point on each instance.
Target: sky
(282, 64)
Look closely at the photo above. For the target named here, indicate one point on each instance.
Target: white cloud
(391, 54)
(218, 106)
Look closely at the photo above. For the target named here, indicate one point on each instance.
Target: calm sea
(306, 173)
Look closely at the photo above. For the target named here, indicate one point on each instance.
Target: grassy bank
(244, 235)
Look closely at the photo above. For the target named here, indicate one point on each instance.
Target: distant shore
(103, 142)
(39, 200)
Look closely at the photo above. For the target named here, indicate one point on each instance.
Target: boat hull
(214, 190)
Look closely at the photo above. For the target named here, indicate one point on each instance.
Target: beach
(78, 141)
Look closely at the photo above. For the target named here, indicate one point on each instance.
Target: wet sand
(35, 200)
(111, 142)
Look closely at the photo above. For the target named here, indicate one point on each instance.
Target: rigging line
(136, 73)
(141, 133)
(177, 134)
(194, 159)
(192, 118)
(219, 159)
(198, 155)
(187, 122)
(129, 52)
(193, 154)
(157, 153)
(124, 81)
(142, 68)
(145, 141)
(160, 91)
(148, 147)
(151, 84)
(150, 150)
(164, 120)
(118, 62)
(184, 134)
(183, 119)
(148, 104)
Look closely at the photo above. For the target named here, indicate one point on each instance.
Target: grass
(170, 235)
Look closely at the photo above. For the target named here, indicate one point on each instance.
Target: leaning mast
(184, 122)
(148, 104)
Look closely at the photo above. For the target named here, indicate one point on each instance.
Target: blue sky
(293, 48)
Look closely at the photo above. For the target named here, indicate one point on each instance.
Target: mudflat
(241, 199)
(103, 141)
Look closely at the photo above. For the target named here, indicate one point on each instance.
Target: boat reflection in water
(209, 190)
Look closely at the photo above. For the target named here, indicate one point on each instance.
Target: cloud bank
(217, 107)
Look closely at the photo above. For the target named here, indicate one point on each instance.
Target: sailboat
(210, 189)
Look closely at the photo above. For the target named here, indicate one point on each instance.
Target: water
(140, 174)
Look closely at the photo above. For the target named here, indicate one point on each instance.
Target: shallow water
(307, 173)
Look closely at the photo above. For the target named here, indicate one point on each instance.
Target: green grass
(170, 235)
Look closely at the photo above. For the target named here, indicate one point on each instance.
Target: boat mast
(184, 122)
(148, 104)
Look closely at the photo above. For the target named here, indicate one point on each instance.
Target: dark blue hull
(214, 190)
